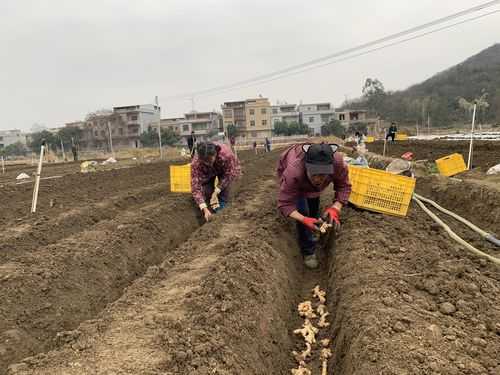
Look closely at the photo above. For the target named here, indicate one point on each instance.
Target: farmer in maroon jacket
(304, 172)
(212, 160)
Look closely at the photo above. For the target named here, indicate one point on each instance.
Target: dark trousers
(208, 190)
(307, 207)
(391, 135)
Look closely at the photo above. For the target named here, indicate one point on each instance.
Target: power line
(355, 55)
(338, 54)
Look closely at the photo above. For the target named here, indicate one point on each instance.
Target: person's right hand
(311, 223)
(207, 214)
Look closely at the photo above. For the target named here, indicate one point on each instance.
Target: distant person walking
(191, 141)
(391, 133)
(255, 147)
(268, 145)
(74, 150)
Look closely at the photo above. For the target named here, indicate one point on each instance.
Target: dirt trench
(59, 270)
(404, 299)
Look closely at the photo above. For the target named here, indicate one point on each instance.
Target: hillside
(439, 94)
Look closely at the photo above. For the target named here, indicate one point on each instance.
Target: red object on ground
(407, 156)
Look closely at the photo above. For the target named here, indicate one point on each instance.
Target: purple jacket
(226, 167)
(294, 183)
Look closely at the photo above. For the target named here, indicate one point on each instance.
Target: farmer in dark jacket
(391, 133)
(304, 172)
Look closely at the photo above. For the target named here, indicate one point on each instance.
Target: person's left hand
(332, 215)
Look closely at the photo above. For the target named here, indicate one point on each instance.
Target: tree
(149, 138)
(357, 127)
(14, 149)
(293, 128)
(334, 127)
(68, 134)
(232, 131)
(37, 139)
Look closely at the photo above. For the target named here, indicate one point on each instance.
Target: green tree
(44, 135)
(293, 128)
(334, 127)
(67, 134)
(357, 127)
(232, 131)
(14, 149)
(149, 138)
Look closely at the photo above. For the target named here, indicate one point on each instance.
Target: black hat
(207, 149)
(319, 158)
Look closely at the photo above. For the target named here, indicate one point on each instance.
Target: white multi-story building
(316, 115)
(204, 124)
(138, 118)
(284, 112)
(8, 137)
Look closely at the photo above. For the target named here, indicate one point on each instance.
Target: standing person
(268, 145)
(391, 133)
(74, 150)
(212, 160)
(304, 172)
(191, 141)
(255, 147)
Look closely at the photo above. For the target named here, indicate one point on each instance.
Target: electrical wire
(316, 61)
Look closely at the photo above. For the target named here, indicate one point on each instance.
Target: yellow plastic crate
(451, 165)
(380, 191)
(180, 178)
(401, 137)
(369, 139)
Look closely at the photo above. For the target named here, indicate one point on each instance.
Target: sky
(61, 59)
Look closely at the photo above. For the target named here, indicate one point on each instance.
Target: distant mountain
(439, 94)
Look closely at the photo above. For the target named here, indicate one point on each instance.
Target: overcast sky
(61, 59)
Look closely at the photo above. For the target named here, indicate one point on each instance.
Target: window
(264, 122)
(342, 117)
(263, 111)
(252, 123)
(275, 111)
(311, 119)
(228, 113)
(354, 116)
(121, 131)
(252, 111)
(103, 134)
(185, 128)
(1, 138)
(254, 134)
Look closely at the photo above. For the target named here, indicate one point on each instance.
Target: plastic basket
(401, 137)
(380, 191)
(369, 139)
(451, 165)
(180, 178)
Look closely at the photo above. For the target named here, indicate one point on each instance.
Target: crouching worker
(304, 171)
(212, 160)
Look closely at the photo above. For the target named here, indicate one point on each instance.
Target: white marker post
(471, 137)
(37, 181)
(62, 149)
(159, 129)
(111, 141)
(3, 166)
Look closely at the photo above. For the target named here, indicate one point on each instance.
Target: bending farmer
(304, 172)
(212, 160)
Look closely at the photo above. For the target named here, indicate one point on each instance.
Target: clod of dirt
(447, 308)
(306, 310)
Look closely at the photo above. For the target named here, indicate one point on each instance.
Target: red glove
(311, 223)
(333, 216)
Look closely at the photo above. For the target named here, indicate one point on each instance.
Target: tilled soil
(63, 266)
(485, 155)
(404, 298)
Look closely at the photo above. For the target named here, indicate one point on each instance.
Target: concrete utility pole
(469, 161)
(110, 140)
(62, 149)
(159, 127)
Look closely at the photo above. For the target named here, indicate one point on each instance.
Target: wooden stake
(37, 181)
(3, 166)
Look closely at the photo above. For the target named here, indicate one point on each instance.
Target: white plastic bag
(494, 170)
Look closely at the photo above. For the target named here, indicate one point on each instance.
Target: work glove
(214, 200)
(311, 223)
(332, 216)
